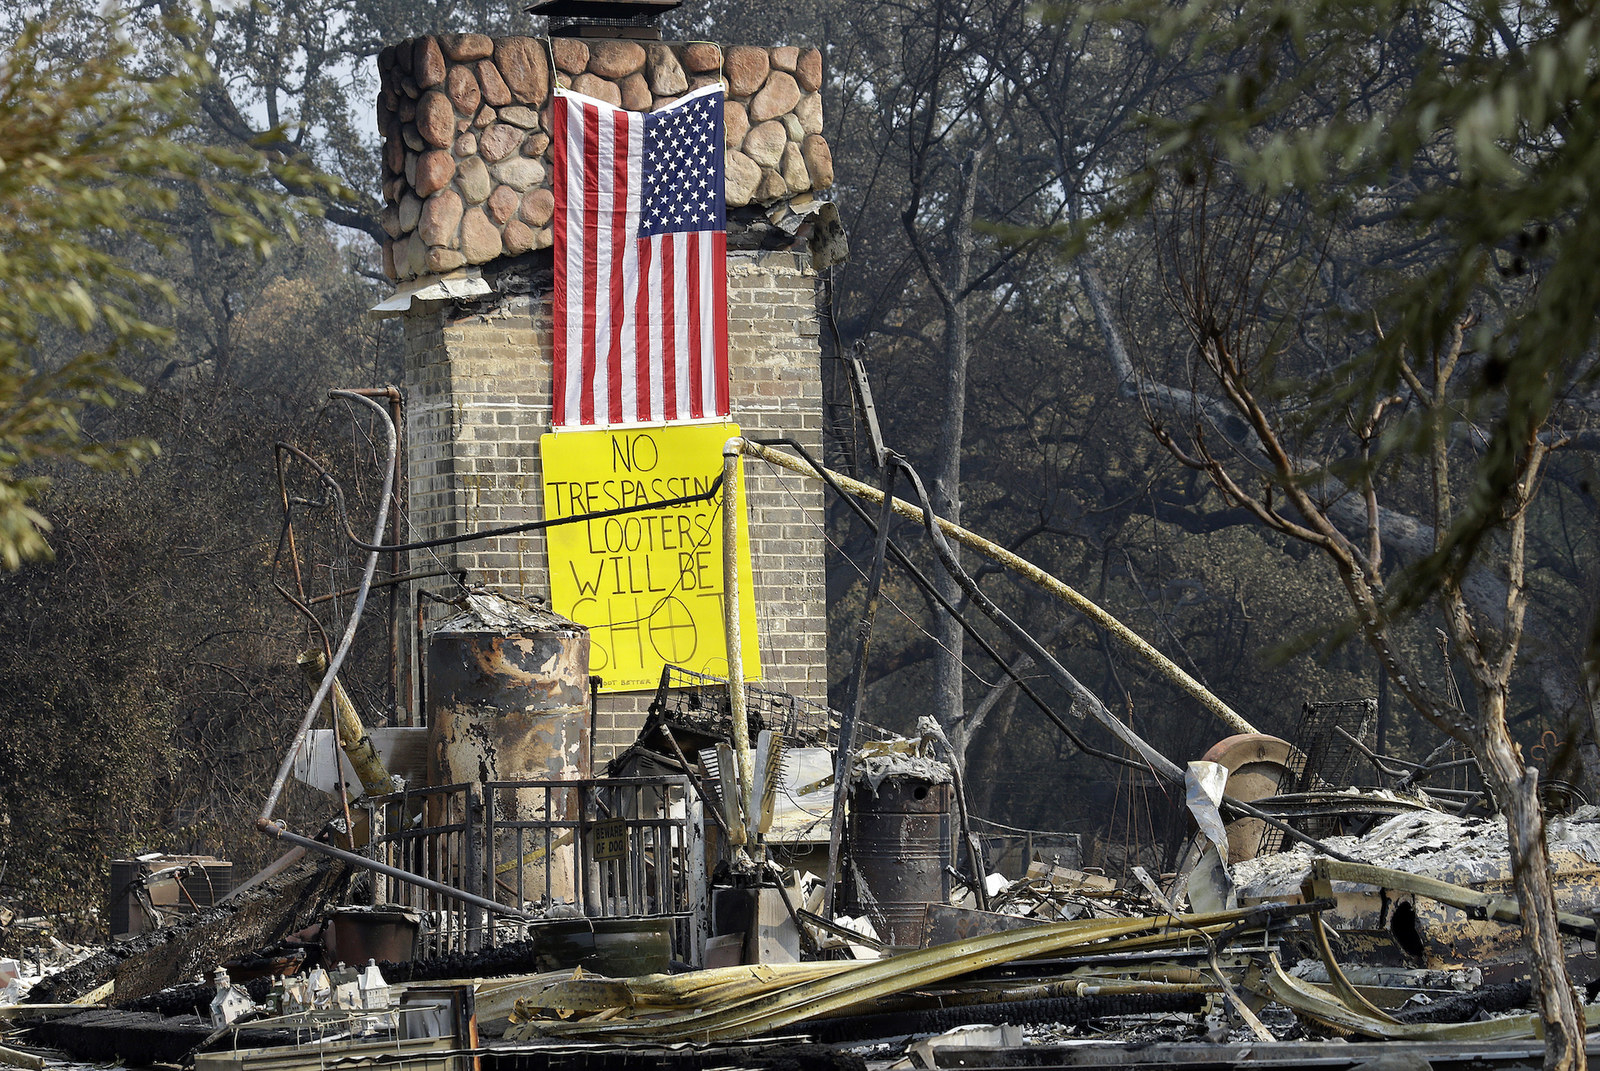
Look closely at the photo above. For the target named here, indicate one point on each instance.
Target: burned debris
(516, 906)
(755, 871)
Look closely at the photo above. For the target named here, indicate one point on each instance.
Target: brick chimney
(468, 209)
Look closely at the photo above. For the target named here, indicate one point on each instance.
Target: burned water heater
(508, 701)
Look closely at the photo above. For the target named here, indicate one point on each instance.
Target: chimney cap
(603, 18)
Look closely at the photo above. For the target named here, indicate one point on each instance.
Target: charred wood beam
(195, 944)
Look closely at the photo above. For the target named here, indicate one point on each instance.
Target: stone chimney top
(466, 132)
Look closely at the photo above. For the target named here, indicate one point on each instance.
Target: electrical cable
(1155, 761)
(922, 581)
(1158, 762)
(889, 600)
(708, 495)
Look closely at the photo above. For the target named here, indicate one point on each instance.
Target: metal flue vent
(604, 18)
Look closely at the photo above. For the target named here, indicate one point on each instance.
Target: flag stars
(682, 182)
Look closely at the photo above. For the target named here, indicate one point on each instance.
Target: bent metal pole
(1056, 587)
(738, 816)
(1159, 764)
(392, 448)
(278, 829)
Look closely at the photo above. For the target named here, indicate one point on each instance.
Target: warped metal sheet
(790, 1003)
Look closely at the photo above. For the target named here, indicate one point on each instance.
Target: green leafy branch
(92, 157)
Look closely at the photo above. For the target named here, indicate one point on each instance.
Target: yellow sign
(611, 839)
(647, 584)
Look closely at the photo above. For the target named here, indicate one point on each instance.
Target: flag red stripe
(591, 238)
(719, 318)
(558, 224)
(641, 335)
(669, 299)
(691, 302)
(669, 359)
(618, 231)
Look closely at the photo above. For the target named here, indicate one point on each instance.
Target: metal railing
(612, 848)
(430, 832)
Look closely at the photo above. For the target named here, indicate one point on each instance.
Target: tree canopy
(1465, 135)
(94, 161)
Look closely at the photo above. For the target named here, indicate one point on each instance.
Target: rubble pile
(1465, 850)
(1059, 956)
(683, 901)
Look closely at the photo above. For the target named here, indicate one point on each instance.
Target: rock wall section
(466, 136)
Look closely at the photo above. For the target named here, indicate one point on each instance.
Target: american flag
(641, 282)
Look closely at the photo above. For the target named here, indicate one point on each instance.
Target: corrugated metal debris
(684, 896)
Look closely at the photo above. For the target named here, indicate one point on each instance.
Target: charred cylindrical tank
(900, 838)
(508, 700)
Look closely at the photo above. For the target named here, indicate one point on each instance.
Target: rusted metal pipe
(1035, 575)
(397, 417)
(278, 831)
